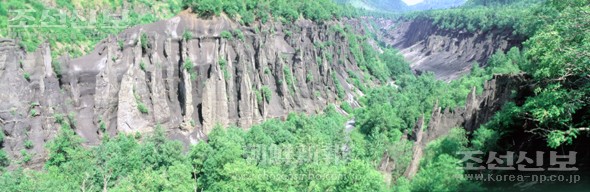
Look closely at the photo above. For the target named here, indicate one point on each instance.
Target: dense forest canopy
(251, 10)
(556, 56)
(399, 5)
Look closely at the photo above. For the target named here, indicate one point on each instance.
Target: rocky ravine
(478, 110)
(182, 71)
(187, 78)
(449, 54)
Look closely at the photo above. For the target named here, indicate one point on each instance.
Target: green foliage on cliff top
(556, 57)
(249, 10)
(519, 16)
(75, 27)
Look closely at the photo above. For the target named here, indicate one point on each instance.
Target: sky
(412, 2)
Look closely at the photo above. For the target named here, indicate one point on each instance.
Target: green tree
(159, 152)
(4, 161)
(441, 174)
(197, 157)
(116, 158)
(441, 169)
(62, 148)
(227, 145)
(359, 176)
(560, 63)
(206, 7)
(396, 64)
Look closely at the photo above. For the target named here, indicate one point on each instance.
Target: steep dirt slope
(180, 74)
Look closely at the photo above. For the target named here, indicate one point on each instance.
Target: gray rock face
(180, 74)
(449, 54)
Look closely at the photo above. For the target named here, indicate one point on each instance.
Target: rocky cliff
(478, 110)
(449, 54)
(185, 74)
(188, 74)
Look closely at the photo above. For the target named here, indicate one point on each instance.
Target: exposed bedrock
(184, 74)
(449, 54)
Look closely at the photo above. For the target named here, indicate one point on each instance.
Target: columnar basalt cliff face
(184, 74)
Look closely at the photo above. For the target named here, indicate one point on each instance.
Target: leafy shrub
(27, 76)
(187, 35)
(102, 125)
(258, 96)
(288, 78)
(223, 65)
(4, 161)
(238, 33)
(142, 66)
(2, 135)
(226, 35)
(188, 65)
(266, 93)
(59, 118)
(121, 44)
(26, 157)
(339, 89)
(346, 107)
(142, 107)
(145, 44)
(205, 7)
(247, 17)
(72, 118)
(57, 69)
(28, 144)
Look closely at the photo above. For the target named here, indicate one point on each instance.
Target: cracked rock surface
(184, 74)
